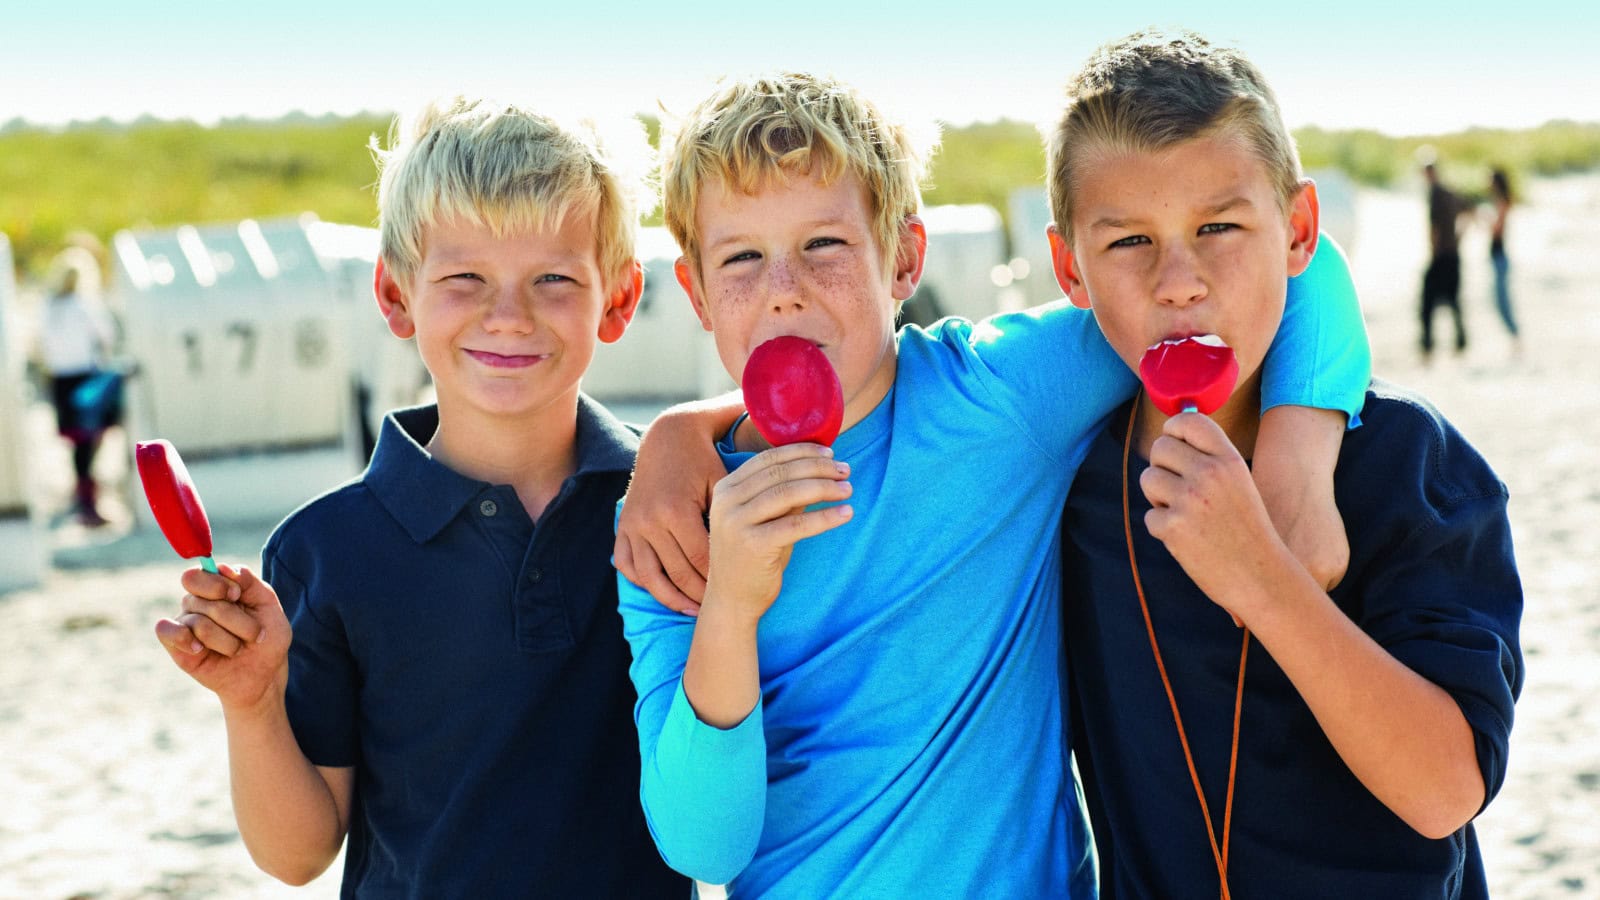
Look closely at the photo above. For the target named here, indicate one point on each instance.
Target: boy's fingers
(653, 578)
(779, 499)
(230, 617)
(211, 586)
(1160, 486)
(790, 463)
(796, 527)
(211, 635)
(689, 582)
(178, 639)
(622, 557)
(1198, 431)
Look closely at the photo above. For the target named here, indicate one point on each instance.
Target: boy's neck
(1239, 418)
(532, 454)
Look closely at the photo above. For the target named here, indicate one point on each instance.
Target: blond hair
(1154, 89)
(752, 131)
(511, 169)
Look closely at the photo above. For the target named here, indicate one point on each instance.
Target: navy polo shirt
(1431, 578)
(470, 664)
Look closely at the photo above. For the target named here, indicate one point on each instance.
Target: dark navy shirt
(470, 664)
(1431, 578)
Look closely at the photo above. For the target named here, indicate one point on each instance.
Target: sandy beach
(113, 775)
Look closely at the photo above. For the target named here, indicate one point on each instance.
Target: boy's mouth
(506, 360)
(1199, 337)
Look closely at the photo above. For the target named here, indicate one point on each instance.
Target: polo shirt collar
(424, 495)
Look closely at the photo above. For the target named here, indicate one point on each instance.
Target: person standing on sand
(1441, 283)
(1500, 194)
(75, 337)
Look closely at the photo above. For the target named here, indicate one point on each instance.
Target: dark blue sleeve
(322, 696)
(1447, 602)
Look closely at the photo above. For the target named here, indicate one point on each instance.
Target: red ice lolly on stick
(1193, 373)
(174, 501)
(792, 392)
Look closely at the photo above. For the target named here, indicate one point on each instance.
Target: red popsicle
(792, 392)
(174, 501)
(1193, 373)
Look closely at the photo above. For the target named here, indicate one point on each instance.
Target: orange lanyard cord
(1219, 855)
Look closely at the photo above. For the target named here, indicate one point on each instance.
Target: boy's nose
(783, 287)
(510, 309)
(1178, 280)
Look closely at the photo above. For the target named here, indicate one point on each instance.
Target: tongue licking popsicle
(174, 501)
(792, 393)
(1193, 373)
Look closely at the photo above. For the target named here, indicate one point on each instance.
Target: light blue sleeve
(1052, 372)
(703, 789)
(1320, 357)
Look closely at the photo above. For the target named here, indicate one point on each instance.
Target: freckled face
(798, 257)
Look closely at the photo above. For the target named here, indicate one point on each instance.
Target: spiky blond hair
(769, 126)
(511, 169)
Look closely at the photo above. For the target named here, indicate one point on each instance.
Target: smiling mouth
(506, 360)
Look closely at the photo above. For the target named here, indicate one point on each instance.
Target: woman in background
(75, 338)
(1500, 194)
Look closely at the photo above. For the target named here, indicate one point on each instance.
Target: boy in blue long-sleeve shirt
(869, 702)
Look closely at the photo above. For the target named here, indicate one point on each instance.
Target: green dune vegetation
(94, 178)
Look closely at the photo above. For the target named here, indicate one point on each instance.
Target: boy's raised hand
(758, 513)
(1209, 513)
(232, 636)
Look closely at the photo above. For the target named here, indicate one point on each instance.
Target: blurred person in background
(75, 338)
(1500, 195)
(1441, 282)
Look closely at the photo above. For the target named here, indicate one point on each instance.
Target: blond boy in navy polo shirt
(456, 697)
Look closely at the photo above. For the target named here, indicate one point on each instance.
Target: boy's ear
(1304, 225)
(908, 260)
(1064, 263)
(684, 270)
(392, 302)
(624, 302)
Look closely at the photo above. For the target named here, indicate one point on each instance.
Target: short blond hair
(770, 126)
(511, 169)
(1154, 89)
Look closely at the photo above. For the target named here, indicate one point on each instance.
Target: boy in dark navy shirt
(456, 695)
(1336, 745)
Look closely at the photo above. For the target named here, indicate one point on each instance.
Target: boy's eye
(743, 256)
(1130, 241)
(822, 242)
(469, 276)
(551, 278)
(1217, 227)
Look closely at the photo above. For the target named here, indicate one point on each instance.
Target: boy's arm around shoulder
(662, 543)
(234, 638)
(1314, 385)
(1049, 370)
(703, 789)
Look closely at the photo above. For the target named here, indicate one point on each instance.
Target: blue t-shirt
(470, 665)
(909, 737)
(1431, 578)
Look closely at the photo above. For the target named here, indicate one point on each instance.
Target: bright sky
(1401, 66)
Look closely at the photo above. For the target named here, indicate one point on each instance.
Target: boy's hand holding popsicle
(232, 635)
(758, 511)
(1208, 509)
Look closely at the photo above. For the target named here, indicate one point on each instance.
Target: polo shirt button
(488, 507)
(535, 575)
